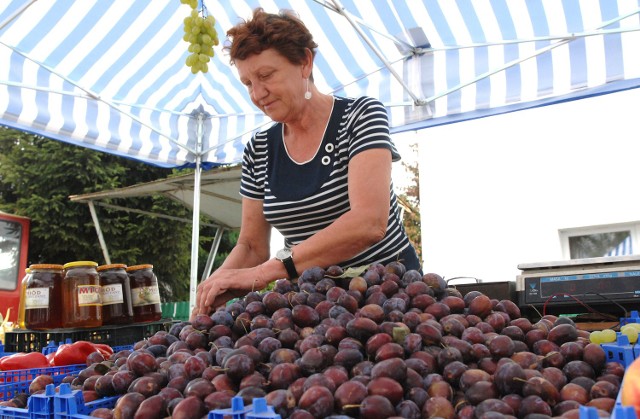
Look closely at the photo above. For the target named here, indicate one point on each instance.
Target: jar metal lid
(46, 266)
(112, 266)
(80, 263)
(138, 267)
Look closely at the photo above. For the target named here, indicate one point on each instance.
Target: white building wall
(495, 191)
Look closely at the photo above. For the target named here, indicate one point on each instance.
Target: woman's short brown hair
(284, 32)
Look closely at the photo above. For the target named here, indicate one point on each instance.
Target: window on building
(600, 241)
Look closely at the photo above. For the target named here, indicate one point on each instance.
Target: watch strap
(290, 267)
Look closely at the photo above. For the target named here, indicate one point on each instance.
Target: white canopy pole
(212, 253)
(16, 14)
(195, 229)
(96, 223)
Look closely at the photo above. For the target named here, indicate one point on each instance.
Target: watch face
(283, 253)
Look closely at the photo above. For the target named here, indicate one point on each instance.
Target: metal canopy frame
(179, 188)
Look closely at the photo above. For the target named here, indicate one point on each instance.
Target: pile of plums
(386, 343)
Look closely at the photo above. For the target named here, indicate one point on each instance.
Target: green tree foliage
(37, 176)
(410, 198)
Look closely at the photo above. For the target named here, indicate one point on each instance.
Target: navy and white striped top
(300, 199)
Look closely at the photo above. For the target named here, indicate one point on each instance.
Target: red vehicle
(14, 245)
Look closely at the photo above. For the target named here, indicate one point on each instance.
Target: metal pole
(96, 223)
(212, 253)
(341, 10)
(15, 14)
(195, 229)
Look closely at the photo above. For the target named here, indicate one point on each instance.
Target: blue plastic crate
(261, 410)
(13, 412)
(69, 404)
(117, 349)
(623, 412)
(258, 410)
(621, 351)
(633, 318)
(236, 411)
(52, 347)
(2, 352)
(64, 404)
(18, 381)
(619, 411)
(39, 406)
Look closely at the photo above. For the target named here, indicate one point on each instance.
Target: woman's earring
(307, 94)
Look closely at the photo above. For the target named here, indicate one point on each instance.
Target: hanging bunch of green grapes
(200, 33)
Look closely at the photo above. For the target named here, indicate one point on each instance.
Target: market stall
(385, 342)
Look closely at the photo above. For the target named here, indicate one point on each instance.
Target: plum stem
(460, 403)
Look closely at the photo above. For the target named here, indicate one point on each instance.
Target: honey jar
(43, 296)
(23, 296)
(145, 294)
(81, 295)
(116, 294)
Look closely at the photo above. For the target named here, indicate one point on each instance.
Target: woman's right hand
(226, 284)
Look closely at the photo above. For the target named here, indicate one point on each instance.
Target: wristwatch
(286, 257)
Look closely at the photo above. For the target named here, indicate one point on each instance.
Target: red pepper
(73, 353)
(104, 349)
(23, 361)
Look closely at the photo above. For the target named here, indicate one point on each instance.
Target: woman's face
(275, 85)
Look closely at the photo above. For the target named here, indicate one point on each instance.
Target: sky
(591, 109)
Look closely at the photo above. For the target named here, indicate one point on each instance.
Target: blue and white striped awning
(110, 74)
(625, 247)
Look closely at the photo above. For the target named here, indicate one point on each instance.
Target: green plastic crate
(176, 310)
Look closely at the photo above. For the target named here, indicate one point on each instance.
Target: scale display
(584, 284)
(594, 280)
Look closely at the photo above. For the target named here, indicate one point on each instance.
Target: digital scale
(608, 285)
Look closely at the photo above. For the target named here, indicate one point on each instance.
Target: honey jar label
(112, 294)
(143, 296)
(36, 298)
(89, 295)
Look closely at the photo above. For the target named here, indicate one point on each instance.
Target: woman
(321, 174)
